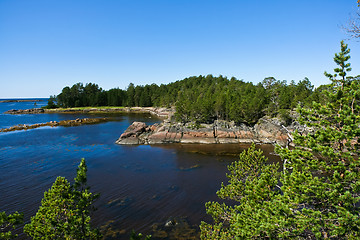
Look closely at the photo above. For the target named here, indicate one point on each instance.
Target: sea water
(141, 187)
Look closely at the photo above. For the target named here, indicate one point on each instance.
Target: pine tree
(317, 194)
(324, 183)
(55, 216)
(83, 203)
(64, 211)
(253, 187)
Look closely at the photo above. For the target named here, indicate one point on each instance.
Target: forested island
(200, 109)
(201, 99)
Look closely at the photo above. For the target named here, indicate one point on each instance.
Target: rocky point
(267, 130)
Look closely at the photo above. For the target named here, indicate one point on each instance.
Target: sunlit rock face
(267, 130)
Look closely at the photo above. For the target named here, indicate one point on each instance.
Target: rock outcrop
(63, 123)
(267, 130)
(25, 111)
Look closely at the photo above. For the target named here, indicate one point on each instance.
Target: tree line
(199, 98)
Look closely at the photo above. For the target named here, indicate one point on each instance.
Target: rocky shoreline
(20, 100)
(25, 111)
(63, 123)
(266, 131)
(164, 113)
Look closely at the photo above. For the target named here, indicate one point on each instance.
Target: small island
(198, 109)
(20, 100)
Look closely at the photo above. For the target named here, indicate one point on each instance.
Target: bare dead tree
(353, 26)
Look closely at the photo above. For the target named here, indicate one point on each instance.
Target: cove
(141, 187)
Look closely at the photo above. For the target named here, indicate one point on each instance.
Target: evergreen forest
(201, 99)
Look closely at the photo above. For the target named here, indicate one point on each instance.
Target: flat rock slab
(266, 131)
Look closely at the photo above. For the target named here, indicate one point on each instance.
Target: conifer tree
(253, 187)
(55, 216)
(64, 211)
(83, 203)
(317, 194)
(322, 174)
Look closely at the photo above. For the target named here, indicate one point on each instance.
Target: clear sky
(47, 45)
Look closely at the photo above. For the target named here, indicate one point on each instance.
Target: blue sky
(47, 45)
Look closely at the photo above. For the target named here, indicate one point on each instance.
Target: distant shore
(164, 113)
(20, 100)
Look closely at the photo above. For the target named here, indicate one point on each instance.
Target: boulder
(136, 128)
(25, 111)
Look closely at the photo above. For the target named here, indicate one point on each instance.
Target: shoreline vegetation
(200, 99)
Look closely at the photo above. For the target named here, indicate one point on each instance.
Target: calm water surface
(140, 187)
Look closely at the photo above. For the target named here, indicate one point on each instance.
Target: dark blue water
(139, 185)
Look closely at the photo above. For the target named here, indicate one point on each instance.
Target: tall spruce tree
(317, 194)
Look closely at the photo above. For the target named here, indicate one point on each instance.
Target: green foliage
(253, 186)
(199, 99)
(328, 196)
(139, 236)
(81, 96)
(64, 211)
(83, 201)
(8, 223)
(52, 102)
(320, 179)
(284, 115)
(54, 217)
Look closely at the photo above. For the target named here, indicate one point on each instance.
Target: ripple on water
(140, 186)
